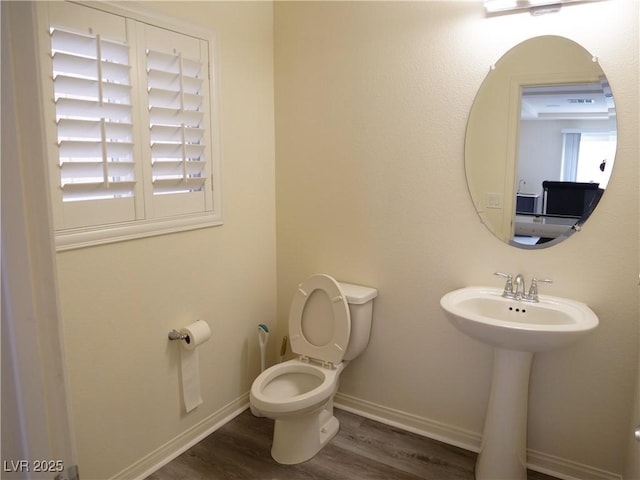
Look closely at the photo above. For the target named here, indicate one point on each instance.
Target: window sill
(88, 237)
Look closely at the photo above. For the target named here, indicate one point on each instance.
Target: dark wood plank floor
(362, 449)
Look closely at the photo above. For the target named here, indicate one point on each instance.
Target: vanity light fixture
(496, 6)
(535, 7)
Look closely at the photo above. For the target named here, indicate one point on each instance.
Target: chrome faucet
(517, 291)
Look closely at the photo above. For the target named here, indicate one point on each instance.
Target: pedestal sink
(516, 329)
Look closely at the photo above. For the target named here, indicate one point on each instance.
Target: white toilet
(329, 324)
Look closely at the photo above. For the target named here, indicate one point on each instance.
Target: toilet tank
(360, 300)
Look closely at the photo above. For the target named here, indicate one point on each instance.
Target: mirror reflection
(540, 142)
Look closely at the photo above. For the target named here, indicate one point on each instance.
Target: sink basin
(483, 314)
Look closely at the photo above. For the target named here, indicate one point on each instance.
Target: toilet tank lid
(358, 294)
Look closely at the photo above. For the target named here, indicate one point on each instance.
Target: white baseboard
(537, 461)
(178, 445)
(566, 469)
(409, 422)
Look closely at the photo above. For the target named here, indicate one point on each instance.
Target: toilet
(329, 325)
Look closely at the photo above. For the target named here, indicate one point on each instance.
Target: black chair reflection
(572, 199)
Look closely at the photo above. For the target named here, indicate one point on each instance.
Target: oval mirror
(540, 142)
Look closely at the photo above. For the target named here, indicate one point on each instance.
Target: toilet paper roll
(196, 334)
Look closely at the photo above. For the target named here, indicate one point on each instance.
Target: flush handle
(636, 432)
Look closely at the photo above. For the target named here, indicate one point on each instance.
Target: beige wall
(372, 100)
(120, 301)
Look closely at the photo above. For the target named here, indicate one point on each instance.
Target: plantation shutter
(177, 75)
(129, 124)
(92, 83)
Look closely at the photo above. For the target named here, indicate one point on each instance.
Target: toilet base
(298, 438)
(255, 412)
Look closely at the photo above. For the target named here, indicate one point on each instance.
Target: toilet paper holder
(176, 335)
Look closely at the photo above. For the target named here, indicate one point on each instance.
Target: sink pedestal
(503, 452)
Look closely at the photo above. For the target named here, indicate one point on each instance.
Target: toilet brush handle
(283, 348)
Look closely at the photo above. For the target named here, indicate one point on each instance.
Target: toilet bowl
(329, 324)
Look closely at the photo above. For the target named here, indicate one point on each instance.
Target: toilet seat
(271, 401)
(329, 296)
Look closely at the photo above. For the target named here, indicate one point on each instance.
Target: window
(588, 155)
(134, 150)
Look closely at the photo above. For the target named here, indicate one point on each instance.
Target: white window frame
(83, 236)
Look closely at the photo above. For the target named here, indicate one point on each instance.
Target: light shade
(534, 6)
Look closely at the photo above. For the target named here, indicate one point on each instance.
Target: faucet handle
(533, 289)
(508, 287)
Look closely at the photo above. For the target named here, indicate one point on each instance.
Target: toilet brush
(263, 335)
